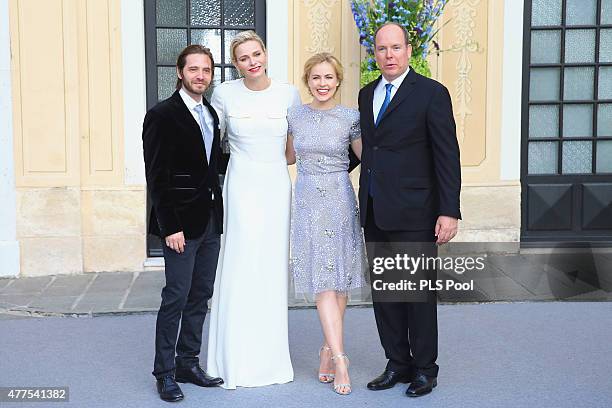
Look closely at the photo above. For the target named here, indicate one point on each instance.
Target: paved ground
(94, 334)
(579, 277)
(540, 354)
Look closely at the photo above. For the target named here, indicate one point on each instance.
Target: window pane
(605, 83)
(216, 81)
(606, 11)
(604, 120)
(170, 43)
(542, 158)
(543, 121)
(605, 45)
(171, 12)
(239, 12)
(205, 12)
(544, 84)
(577, 157)
(217, 77)
(578, 83)
(580, 46)
(231, 74)
(166, 82)
(581, 12)
(546, 12)
(545, 46)
(229, 36)
(578, 121)
(210, 39)
(604, 156)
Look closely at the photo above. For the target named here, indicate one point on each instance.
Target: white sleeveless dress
(248, 343)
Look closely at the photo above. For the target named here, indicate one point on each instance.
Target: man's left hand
(446, 229)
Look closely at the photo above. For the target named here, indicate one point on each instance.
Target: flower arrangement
(419, 18)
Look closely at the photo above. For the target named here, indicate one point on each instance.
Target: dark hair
(393, 23)
(192, 49)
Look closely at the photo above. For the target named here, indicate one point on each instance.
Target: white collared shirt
(191, 104)
(380, 92)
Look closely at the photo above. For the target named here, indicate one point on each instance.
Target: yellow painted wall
(74, 212)
(471, 38)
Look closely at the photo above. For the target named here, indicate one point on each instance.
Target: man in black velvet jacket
(182, 157)
(409, 192)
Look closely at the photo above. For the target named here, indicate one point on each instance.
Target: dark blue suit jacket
(410, 162)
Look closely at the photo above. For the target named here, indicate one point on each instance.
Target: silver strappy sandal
(325, 378)
(337, 387)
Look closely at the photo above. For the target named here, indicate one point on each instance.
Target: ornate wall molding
(464, 22)
(319, 18)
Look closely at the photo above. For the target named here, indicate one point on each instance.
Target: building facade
(77, 76)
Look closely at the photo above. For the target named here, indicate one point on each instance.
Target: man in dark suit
(409, 193)
(182, 155)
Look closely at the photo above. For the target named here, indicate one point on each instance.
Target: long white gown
(248, 343)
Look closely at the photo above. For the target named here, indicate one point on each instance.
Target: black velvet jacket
(410, 162)
(180, 181)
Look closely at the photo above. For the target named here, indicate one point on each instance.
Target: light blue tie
(386, 103)
(206, 134)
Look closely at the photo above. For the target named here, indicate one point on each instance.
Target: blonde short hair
(318, 59)
(241, 38)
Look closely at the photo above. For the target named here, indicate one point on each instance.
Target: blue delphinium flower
(418, 16)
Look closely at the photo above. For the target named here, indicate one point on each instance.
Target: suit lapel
(402, 93)
(216, 132)
(185, 117)
(370, 102)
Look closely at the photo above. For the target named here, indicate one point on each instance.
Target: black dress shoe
(387, 380)
(197, 376)
(168, 389)
(421, 385)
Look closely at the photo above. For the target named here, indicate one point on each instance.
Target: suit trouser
(190, 279)
(408, 331)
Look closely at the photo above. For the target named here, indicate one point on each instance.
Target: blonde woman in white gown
(248, 343)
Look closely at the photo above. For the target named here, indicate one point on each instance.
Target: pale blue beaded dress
(327, 247)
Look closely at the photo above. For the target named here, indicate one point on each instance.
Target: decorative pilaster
(319, 22)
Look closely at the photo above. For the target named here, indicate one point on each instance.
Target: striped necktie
(386, 103)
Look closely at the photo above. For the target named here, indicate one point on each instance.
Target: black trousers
(190, 279)
(408, 331)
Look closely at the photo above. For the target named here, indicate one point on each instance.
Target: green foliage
(420, 65)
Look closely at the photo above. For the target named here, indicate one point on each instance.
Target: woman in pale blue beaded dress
(327, 249)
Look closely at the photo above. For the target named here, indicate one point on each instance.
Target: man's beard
(188, 86)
